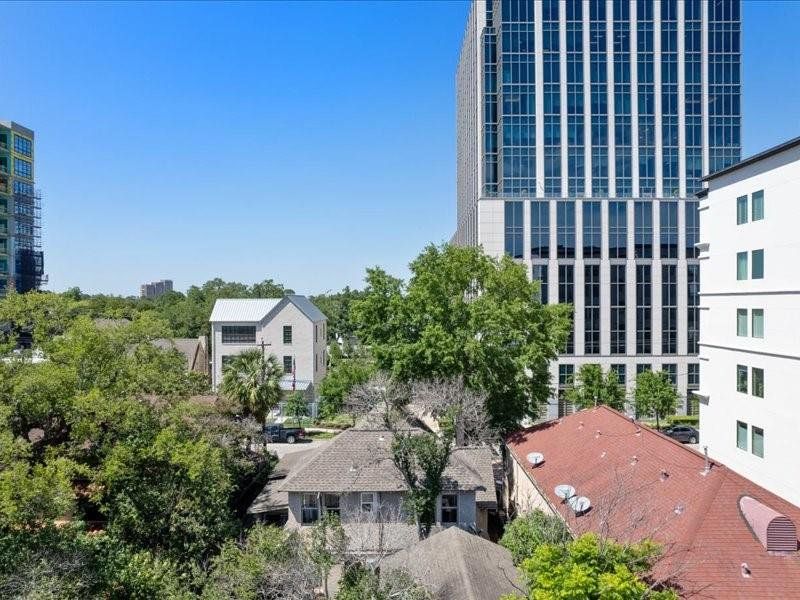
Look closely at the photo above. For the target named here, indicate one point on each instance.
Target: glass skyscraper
(584, 128)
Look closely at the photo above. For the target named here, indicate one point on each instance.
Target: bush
(691, 420)
(526, 533)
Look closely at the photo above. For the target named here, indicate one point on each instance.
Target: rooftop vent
(775, 531)
(535, 458)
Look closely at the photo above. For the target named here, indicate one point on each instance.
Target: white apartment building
(291, 328)
(750, 318)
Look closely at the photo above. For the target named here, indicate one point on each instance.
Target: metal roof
(254, 310)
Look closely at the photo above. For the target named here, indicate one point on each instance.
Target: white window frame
(373, 501)
(306, 506)
(442, 508)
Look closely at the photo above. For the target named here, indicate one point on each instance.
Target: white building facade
(291, 328)
(750, 318)
(583, 130)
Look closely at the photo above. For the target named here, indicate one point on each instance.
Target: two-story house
(355, 478)
(291, 328)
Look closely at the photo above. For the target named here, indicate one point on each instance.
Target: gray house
(354, 478)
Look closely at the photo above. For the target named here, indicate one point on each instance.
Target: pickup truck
(278, 433)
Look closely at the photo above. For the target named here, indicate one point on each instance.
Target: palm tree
(254, 381)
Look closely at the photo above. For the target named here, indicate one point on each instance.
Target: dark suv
(683, 433)
(279, 433)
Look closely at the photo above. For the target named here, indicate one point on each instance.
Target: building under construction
(21, 257)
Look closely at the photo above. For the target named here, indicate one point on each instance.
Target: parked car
(683, 433)
(279, 433)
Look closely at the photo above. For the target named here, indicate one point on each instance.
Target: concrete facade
(751, 421)
(307, 350)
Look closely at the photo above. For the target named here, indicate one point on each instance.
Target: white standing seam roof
(254, 310)
(249, 310)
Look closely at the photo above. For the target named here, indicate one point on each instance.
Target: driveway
(283, 449)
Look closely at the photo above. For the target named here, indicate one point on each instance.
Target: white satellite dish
(579, 504)
(535, 458)
(564, 491)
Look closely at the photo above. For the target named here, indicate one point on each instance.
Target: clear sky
(296, 141)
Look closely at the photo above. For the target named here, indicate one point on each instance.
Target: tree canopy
(463, 313)
(591, 387)
(655, 396)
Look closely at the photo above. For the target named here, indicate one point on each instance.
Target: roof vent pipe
(707, 467)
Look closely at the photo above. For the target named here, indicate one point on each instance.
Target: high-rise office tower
(21, 258)
(583, 129)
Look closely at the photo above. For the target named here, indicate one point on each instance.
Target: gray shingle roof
(186, 346)
(359, 460)
(457, 565)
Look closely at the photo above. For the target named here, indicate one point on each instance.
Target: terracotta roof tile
(644, 484)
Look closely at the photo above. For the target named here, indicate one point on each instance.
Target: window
(643, 229)
(671, 369)
(591, 229)
(758, 205)
(644, 324)
(565, 230)
(669, 309)
(741, 379)
(540, 229)
(617, 229)
(741, 210)
(287, 334)
(316, 327)
(642, 367)
(287, 364)
(757, 382)
(757, 266)
(741, 322)
(757, 441)
(513, 231)
(619, 369)
(309, 510)
(668, 225)
(741, 265)
(591, 299)
(693, 312)
(758, 323)
(238, 334)
(22, 145)
(566, 295)
(368, 503)
(692, 229)
(566, 375)
(23, 168)
(741, 435)
(617, 309)
(331, 504)
(449, 508)
(540, 274)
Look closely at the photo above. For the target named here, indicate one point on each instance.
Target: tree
(590, 388)
(296, 406)
(343, 375)
(456, 407)
(327, 546)
(526, 533)
(337, 308)
(466, 314)
(421, 459)
(592, 568)
(655, 396)
(254, 382)
(359, 583)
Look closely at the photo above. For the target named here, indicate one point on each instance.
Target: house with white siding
(291, 328)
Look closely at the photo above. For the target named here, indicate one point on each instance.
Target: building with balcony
(750, 318)
(583, 130)
(21, 257)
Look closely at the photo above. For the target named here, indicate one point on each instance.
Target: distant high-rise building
(583, 130)
(155, 289)
(21, 257)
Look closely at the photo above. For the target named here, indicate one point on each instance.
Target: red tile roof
(643, 484)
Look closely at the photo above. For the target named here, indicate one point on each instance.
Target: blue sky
(296, 141)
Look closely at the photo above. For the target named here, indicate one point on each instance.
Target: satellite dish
(564, 491)
(536, 458)
(579, 504)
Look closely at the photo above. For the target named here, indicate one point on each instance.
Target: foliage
(590, 388)
(589, 568)
(692, 420)
(655, 396)
(337, 308)
(359, 582)
(253, 381)
(343, 375)
(463, 313)
(296, 406)
(327, 546)
(421, 459)
(526, 533)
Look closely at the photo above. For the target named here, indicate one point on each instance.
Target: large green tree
(463, 313)
(253, 380)
(591, 387)
(527, 532)
(655, 396)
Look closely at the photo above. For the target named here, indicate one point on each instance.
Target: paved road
(284, 449)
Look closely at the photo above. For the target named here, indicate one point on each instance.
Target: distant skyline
(301, 142)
